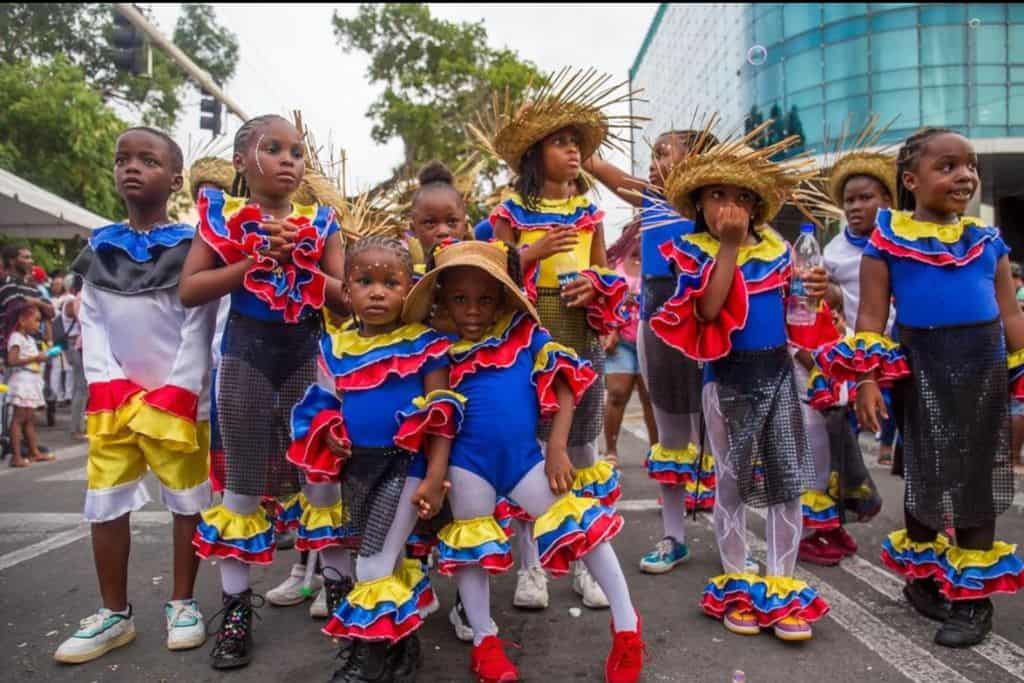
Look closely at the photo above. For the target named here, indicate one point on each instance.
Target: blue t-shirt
(667, 225)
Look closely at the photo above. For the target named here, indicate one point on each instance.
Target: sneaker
(968, 624)
(318, 610)
(587, 588)
(792, 629)
(185, 627)
(460, 622)
(335, 590)
(841, 539)
(816, 550)
(924, 596)
(285, 540)
(666, 555)
(490, 663)
(626, 659)
(531, 589)
(97, 635)
(234, 645)
(291, 590)
(741, 621)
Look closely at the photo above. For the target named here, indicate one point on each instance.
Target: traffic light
(129, 47)
(210, 118)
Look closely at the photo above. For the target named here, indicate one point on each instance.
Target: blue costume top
(926, 258)
(667, 225)
(483, 231)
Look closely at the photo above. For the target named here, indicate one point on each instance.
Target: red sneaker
(841, 539)
(816, 550)
(491, 664)
(626, 659)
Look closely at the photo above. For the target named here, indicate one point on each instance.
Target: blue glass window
(768, 29)
(945, 106)
(894, 50)
(942, 45)
(803, 70)
(798, 17)
(902, 106)
(807, 41)
(846, 88)
(885, 6)
(854, 110)
(987, 131)
(1016, 12)
(1016, 42)
(1017, 74)
(990, 109)
(904, 79)
(811, 118)
(834, 11)
(989, 43)
(888, 21)
(932, 15)
(843, 60)
(989, 12)
(852, 28)
(769, 83)
(990, 74)
(943, 75)
(805, 98)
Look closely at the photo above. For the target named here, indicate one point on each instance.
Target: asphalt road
(47, 584)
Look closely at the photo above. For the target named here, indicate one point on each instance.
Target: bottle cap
(807, 227)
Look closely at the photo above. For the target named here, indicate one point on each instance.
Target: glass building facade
(955, 65)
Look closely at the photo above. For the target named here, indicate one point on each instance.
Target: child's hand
(559, 470)
(281, 235)
(610, 342)
(429, 497)
(815, 282)
(578, 293)
(870, 405)
(339, 448)
(733, 224)
(41, 358)
(555, 241)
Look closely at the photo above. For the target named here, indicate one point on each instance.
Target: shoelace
(629, 656)
(664, 547)
(93, 620)
(252, 607)
(186, 608)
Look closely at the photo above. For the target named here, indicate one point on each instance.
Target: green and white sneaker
(97, 635)
(666, 555)
(185, 627)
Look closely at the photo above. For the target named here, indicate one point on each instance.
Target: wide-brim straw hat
(212, 170)
(735, 162)
(573, 98)
(490, 257)
(859, 154)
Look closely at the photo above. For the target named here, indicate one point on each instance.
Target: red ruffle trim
(558, 559)
(579, 377)
(440, 418)
(604, 313)
(811, 337)
(375, 374)
(173, 400)
(311, 454)
(502, 356)
(109, 396)
(381, 629)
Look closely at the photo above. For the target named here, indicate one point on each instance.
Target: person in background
(18, 283)
(79, 386)
(622, 369)
(1016, 404)
(61, 381)
(25, 379)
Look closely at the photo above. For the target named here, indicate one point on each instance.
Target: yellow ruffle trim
(1015, 359)
(234, 526)
(599, 473)
(566, 506)
(472, 533)
(564, 207)
(682, 456)
(349, 343)
(540, 361)
(770, 247)
(369, 595)
(962, 558)
(777, 586)
(817, 501)
(410, 572)
(901, 543)
(333, 516)
(495, 331)
(904, 225)
(422, 402)
(174, 433)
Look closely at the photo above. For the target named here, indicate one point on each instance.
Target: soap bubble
(757, 55)
(974, 23)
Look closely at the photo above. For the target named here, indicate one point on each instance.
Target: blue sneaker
(665, 556)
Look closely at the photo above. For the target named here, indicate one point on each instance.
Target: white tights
(472, 496)
(675, 431)
(784, 520)
(817, 440)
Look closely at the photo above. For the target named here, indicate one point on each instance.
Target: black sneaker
(924, 596)
(233, 648)
(968, 623)
(368, 662)
(406, 657)
(336, 587)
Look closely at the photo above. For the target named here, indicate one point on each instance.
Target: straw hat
(211, 170)
(491, 257)
(856, 159)
(735, 162)
(575, 98)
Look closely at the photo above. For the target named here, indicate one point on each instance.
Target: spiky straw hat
(851, 157)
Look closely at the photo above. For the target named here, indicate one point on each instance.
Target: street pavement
(47, 583)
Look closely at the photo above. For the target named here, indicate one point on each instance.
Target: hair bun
(435, 172)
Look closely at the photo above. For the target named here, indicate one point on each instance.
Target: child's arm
(580, 291)
(202, 281)
(804, 358)
(562, 238)
(872, 317)
(332, 263)
(628, 188)
(429, 496)
(13, 358)
(556, 460)
(1009, 310)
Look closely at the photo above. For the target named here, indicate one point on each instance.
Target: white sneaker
(586, 587)
(459, 621)
(97, 635)
(318, 610)
(291, 592)
(185, 627)
(531, 589)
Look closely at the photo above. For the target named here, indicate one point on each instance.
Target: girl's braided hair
(909, 155)
(243, 141)
(382, 242)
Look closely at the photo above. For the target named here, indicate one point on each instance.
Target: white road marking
(77, 450)
(52, 542)
(637, 505)
(636, 428)
(75, 474)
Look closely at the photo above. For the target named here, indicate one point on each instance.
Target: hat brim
(421, 297)
(528, 129)
(881, 167)
(703, 173)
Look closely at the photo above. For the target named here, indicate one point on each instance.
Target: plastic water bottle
(800, 309)
(566, 267)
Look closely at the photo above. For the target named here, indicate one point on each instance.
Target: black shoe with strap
(336, 587)
(406, 657)
(233, 648)
(968, 623)
(924, 596)
(367, 662)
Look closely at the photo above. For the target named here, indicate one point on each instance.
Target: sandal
(45, 457)
(20, 463)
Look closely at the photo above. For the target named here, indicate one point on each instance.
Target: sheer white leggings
(817, 440)
(784, 520)
(472, 496)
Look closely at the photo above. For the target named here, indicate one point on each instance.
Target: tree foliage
(436, 74)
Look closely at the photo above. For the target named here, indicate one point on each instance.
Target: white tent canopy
(29, 211)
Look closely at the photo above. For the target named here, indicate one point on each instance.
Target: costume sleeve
(605, 313)
(168, 412)
(811, 337)
(109, 388)
(1015, 363)
(552, 360)
(677, 322)
(851, 357)
(439, 413)
(313, 418)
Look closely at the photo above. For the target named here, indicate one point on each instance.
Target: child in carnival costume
(544, 139)
(960, 362)
(729, 312)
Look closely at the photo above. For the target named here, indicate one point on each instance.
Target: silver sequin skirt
(371, 489)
